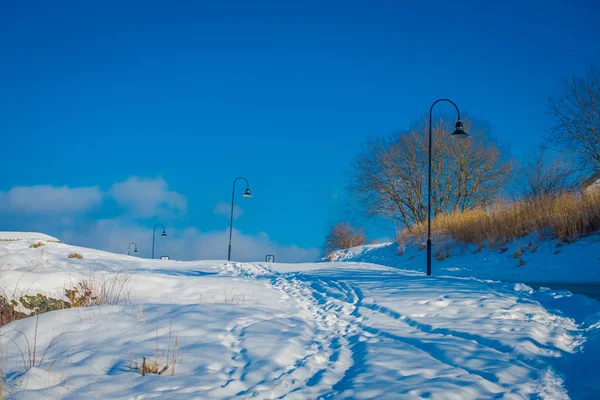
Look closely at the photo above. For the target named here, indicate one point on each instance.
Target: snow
(542, 261)
(14, 236)
(298, 331)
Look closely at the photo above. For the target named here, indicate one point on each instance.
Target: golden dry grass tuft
(564, 217)
(151, 367)
(75, 255)
(36, 245)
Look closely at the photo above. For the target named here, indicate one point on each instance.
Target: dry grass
(155, 365)
(29, 355)
(229, 296)
(75, 255)
(36, 245)
(94, 288)
(565, 217)
(151, 367)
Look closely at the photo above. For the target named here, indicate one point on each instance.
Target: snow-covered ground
(526, 260)
(322, 330)
(14, 236)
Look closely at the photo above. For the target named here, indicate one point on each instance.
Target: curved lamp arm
(241, 177)
(439, 100)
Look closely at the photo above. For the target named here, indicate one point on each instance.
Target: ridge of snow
(29, 236)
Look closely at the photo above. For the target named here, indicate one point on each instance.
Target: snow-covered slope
(258, 330)
(527, 260)
(27, 236)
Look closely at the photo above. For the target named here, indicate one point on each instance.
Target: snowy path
(294, 331)
(357, 336)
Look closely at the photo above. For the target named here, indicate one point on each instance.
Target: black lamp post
(135, 250)
(246, 194)
(164, 233)
(458, 133)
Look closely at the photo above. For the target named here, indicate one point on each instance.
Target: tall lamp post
(164, 233)
(460, 133)
(246, 194)
(135, 250)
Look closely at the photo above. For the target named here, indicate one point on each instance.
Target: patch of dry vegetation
(156, 365)
(75, 255)
(343, 236)
(29, 355)
(85, 290)
(564, 217)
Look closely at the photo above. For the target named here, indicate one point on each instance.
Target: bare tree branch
(390, 175)
(575, 111)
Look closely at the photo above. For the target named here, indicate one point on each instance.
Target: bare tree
(544, 174)
(343, 236)
(575, 111)
(389, 177)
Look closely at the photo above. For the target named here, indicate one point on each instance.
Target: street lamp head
(164, 233)
(247, 193)
(459, 131)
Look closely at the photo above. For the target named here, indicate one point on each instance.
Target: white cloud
(187, 244)
(51, 200)
(223, 208)
(147, 197)
(60, 211)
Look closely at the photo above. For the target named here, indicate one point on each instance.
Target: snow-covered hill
(258, 330)
(27, 236)
(526, 260)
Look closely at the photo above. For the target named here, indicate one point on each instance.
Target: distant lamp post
(246, 194)
(164, 233)
(459, 133)
(135, 250)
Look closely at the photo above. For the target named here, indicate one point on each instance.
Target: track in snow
(353, 333)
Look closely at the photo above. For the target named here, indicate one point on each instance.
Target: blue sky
(173, 100)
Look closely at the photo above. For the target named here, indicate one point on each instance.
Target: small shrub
(343, 236)
(93, 288)
(521, 262)
(36, 245)
(81, 296)
(151, 367)
(75, 255)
